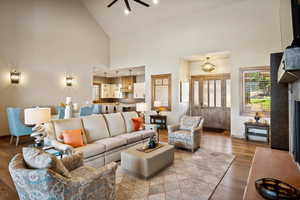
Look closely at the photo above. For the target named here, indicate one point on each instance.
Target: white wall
(46, 39)
(249, 30)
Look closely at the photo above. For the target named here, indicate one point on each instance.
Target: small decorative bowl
(273, 189)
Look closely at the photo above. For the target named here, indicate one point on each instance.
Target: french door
(211, 98)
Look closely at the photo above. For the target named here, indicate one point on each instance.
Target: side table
(257, 129)
(50, 149)
(160, 120)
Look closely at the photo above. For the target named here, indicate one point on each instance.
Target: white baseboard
(238, 136)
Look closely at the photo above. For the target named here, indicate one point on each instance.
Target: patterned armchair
(187, 134)
(85, 183)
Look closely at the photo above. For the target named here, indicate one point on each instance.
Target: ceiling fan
(128, 5)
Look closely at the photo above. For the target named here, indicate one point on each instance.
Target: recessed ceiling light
(126, 12)
(155, 1)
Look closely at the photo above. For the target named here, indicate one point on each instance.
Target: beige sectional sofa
(105, 136)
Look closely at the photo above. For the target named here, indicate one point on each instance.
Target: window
(228, 93)
(256, 90)
(211, 91)
(196, 92)
(161, 91)
(205, 93)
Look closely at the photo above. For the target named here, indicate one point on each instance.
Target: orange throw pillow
(137, 123)
(73, 138)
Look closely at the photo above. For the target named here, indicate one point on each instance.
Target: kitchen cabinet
(139, 90)
(106, 91)
(116, 91)
(110, 91)
(127, 83)
(96, 92)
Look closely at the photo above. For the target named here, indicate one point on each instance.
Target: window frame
(243, 111)
(161, 77)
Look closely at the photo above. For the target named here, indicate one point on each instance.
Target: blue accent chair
(97, 108)
(86, 111)
(60, 112)
(16, 127)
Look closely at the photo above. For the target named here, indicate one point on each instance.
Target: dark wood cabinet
(279, 108)
(160, 120)
(257, 129)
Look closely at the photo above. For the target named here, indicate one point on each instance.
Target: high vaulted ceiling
(114, 22)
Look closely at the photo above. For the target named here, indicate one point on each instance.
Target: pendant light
(208, 66)
(130, 84)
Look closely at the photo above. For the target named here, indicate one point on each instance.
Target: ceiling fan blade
(143, 3)
(127, 5)
(112, 3)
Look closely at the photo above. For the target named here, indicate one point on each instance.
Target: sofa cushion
(73, 138)
(68, 124)
(128, 116)
(146, 133)
(91, 150)
(189, 122)
(116, 124)
(85, 174)
(38, 159)
(181, 134)
(137, 123)
(95, 128)
(131, 137)
(112, 143)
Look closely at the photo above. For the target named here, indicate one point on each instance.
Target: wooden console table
(160, 120)
(257, 129)
(270, 163)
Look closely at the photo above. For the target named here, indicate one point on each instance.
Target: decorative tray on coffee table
(148, 150)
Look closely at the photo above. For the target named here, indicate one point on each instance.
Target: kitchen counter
(117, 107)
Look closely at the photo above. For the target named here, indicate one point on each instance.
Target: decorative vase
(152, 143)
(69, 108)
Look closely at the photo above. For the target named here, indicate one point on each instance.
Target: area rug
(193, 176)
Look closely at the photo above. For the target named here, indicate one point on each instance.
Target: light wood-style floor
(230, 188)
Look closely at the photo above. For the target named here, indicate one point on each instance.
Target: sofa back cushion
(115, 123)
(68, 124)
(128, 116)
(95, 128)
(189, 122)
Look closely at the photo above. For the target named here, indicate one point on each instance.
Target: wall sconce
(15, 77)
(69, 81)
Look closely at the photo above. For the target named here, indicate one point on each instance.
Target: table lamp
(37, 116)
(157, 105)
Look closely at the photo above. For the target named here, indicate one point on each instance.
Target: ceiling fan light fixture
(155, 2)
(207, 66)
(126, 11)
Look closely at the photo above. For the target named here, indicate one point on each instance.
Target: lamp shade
(141, 107)
(157, 104)
(37, 115)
